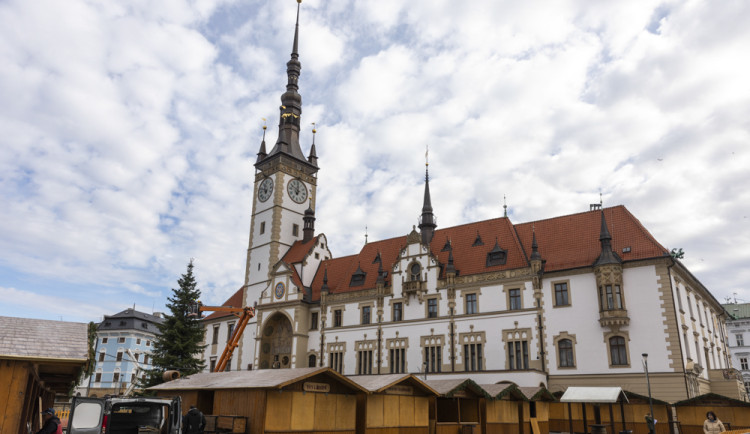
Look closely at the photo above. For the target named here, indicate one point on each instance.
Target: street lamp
(650, 401)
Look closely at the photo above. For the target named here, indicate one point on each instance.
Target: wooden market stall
(458, 408)
(396, 403)
(583, 403)
(536, 416)
(691, 413)
(505, 412)
(38, 360)
(313, 400)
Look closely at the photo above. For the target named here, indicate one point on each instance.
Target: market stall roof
(596, 395)
(711, 399)
(537, 394)
(258, 379)
(379, 383)
(448, 388)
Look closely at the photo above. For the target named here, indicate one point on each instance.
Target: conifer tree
(179, 346)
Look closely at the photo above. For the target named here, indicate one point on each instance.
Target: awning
(596, 395)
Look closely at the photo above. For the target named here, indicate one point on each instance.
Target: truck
(125, 415)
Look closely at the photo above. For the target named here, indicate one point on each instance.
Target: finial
(264, 126)
(365, 234)
(505, 207)
(314, 131)
(427, 155)
(601, 202)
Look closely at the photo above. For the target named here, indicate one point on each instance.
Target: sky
(128, 131)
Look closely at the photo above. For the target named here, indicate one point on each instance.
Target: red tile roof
(297, 253)
(234, 301)
(565, 242)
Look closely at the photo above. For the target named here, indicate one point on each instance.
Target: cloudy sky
(128, 131)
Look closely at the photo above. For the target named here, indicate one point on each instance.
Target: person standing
(193, 422)
(51, 423)
(712, 424)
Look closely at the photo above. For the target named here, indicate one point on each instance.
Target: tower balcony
(414, 287)
(614, 318)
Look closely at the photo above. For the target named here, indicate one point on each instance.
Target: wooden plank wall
(692, 417)
(634, 417)
(14, 398)
(312, 412)
(395, 411)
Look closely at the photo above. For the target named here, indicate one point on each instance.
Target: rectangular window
(611, 297)
(116, 377)
(561, 294)
(518, 355)
(295, 230)
(136, 355)
(229, 366)
(687, 346)
(105, 340)
(515, 299)
(98, 377)
(433, 356)
(138, 341)
(473, 357)
(697, 352)
(690, 306)
(336, 361)
(337, 321)
(740, 340)
(698, 308)
(119, 356)
(398, 312)
(230, 330)
(145, 359)
(364, 362)
(679, 297)
(101, 356)
(471, 303)
(262, 228)
(617, 351)
(398, 360)
(215, 337)
(148, 343)
(120, 340)
(314, 321)
(432, 308)
(565, 353)
(213, 364)
(365, 314)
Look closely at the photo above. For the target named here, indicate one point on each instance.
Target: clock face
(265, 189)
(279, 290)
(297, 190)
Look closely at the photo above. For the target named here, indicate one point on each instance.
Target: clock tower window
(295, 230)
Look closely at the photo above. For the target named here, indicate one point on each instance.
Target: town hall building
(561, 301)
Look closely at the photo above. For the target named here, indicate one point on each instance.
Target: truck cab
(125, 416)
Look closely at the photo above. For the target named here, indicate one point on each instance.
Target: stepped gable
(572, 241)
(234, 301)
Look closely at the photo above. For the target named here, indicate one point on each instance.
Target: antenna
(505, 207)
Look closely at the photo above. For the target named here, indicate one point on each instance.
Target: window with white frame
(740, 340)
(743, 363)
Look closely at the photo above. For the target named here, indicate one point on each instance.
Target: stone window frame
(365, 345)
(102, 355)
(393, 301)
(473, 338)
(262, 228)
(554, 294)
(313, 353)
(626, 336)
(333, 309)
(98, 376)
(397, 343)
(212, 364)
(516, 335)
(556, 340)
(316, 316)
(295, 230)
(230, 329)
(410, 276)
(433, 341)
(340, 349)
(466, 292)
(514, 285)
(215, 334)
(437, 297)
(361, 306)
(678, 294)
(602, 294)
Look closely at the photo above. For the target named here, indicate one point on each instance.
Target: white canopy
(594, 395)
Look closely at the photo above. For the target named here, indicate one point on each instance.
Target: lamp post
(648, 383)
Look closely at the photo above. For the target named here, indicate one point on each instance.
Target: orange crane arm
(244, 313)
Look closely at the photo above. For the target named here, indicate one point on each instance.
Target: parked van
(125, 416)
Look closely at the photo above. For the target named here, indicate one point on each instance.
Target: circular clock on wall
(297, 190)
(265, 189)
(279, 290)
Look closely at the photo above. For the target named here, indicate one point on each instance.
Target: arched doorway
(276, 343)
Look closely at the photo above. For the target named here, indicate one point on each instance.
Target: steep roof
(737, 310)
(234, 301)
(24, 338)
(565, 242)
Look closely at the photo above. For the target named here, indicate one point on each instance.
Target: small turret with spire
(308, 230)
(427, 222)
(262, 153)
(607, 255)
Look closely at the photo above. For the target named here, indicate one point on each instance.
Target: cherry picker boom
(243, 313)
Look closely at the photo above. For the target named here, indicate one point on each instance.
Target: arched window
(415, 272)
(311, 361)
(617, 350)
(565, 353)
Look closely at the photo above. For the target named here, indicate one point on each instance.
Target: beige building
(568, 300)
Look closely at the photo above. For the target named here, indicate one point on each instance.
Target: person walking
(51, 424)
(193, 422)
(712, 424)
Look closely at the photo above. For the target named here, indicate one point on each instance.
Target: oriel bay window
(610, 297)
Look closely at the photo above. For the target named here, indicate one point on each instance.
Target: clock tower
(284, 188)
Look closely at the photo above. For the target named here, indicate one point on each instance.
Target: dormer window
(478, 241)
(414, 272)
(358, 278)
(497, 256)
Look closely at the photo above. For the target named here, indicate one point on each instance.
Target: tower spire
(607, 255)
(262, 152)
(427, 222)
(291, 108)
